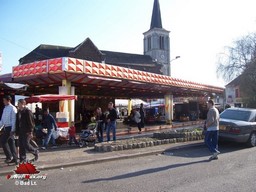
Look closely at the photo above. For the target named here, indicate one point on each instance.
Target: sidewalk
(64, 157)
(67, 156)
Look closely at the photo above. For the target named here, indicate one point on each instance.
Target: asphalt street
(175, 170)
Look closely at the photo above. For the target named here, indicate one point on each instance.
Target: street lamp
(177, 57)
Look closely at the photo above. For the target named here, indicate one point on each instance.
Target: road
(176, 170)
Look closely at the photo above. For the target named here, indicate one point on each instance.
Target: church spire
(156, 21)
(157, 41)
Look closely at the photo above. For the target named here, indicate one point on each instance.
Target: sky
(199, 29)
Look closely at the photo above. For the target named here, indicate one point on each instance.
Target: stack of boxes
(62, 119)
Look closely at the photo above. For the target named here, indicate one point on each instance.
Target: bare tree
(234, 60)
(241, 60)
(248, 84)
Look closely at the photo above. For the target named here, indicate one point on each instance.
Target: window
(149, 43)
(237, 93)
(236, 115)
(161, 42)
(218, 99)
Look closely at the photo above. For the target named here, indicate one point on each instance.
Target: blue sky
(200, 29)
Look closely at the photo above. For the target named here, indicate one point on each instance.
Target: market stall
(50, 98)
(62, 118)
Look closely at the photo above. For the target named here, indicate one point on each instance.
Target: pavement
(67, 156)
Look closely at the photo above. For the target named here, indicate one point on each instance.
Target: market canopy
(50, 98)
(92, 79)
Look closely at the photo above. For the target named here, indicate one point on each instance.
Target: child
(72, 134)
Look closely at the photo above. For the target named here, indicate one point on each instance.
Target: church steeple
(157, 41)
(156, 21)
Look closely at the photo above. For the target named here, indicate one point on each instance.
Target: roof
(126, 58)
(134, 61)
(104, 80)
(88, 51)
(156, 21)
(85, 42)
(6, 77)
(235, 81)
(49, 98)
(44, 51)
(9, 88)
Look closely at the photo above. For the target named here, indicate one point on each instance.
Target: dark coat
(112, 114)
(49, 122)
(24, 122)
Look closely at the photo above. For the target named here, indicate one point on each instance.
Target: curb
(116, 157)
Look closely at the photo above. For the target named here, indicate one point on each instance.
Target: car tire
(252, 140)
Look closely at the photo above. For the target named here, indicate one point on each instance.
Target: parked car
(238, 125)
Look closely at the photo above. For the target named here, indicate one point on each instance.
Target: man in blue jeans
(8, 120)
(111, 120)
(49, 123)
(212, 133)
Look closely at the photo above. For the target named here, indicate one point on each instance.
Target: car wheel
(252, 140)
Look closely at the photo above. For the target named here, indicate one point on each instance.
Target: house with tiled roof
(234, 95)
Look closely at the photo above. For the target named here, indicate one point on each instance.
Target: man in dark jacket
(24, 129)
(142, 116)
(111, 119)
(50, 124)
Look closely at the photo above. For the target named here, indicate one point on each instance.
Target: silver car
(238, 125)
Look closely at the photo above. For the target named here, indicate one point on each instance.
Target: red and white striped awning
(49, 98)
(86, 73)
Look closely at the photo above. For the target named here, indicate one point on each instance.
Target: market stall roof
(49, 98)
(12, 88)
(94, 79)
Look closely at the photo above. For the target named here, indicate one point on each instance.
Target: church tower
(157, 41)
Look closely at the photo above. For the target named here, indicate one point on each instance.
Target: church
(94, 74)
(156, 57)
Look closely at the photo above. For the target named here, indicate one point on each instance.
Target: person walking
(137, 119)
(142, 116)
(25, 125)
(100, 119)
(50, 124)
(8, 121)
(72, 134)
(212, 130)
(111, 120)
(37, 114)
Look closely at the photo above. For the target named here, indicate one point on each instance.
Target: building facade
(234, 96)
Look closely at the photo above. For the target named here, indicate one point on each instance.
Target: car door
(253, 122)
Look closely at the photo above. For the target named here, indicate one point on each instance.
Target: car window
(254, 118)
(236, 115)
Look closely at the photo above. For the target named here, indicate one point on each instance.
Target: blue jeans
(49, 137)
(111, 126)
(99, 133)
(71, 139)
(211, 140)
